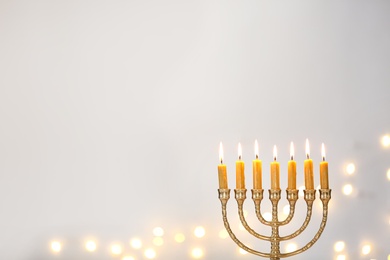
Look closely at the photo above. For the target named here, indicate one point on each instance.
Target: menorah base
(275, 238)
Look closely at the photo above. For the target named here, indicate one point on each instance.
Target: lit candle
(292, 170)
(222, 176)
(309, 178)
(257, 178)
(324, 170)
(240, 175)
(275, 173)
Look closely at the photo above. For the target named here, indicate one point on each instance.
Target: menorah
(275, 196)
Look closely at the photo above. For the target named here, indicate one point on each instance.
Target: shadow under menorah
(275, 195)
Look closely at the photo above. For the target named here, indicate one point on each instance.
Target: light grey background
(112, 112)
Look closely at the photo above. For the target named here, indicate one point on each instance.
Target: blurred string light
(197, 253)
(223, 234)
(150, 253)
(242, 251)
(116, 249)
(158, 231)
(290, 247)
(158, 241)
(339, 246)
(366, 249)
(136, 243)
(267, 216)
(199, 232)
(388, 174)
(385, 141)
(347, 189)
(341, 257)
(55, 246)
(90, 246)
(128, 258)
(388, 257)
(351, 168)
(179, 238)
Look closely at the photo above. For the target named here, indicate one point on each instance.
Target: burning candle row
(275, 170)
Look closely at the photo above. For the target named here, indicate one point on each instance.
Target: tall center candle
(275, 173)
(257, 171)
(240, 173)
(292, 170)
(308, 166)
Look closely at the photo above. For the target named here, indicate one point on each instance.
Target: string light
(366, 249)
(179, 238)
(339, 246)
(128, 258)
(158, 231)
(386, 140)
(56, 246)
(150, 253)
(199, 232)
(116, 249)
(90, 246)
(136, 243)
(267, 216)
(341, 257)
(158, 241)
(350, 169)
(290, 247)
(223, 234)
(347, 189)
(197, 253)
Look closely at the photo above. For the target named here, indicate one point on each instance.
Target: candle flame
(292, 151)
(323, 151)
(256, 149)
(239, 151)
(307, 149)
(275, 153)
(220, 152)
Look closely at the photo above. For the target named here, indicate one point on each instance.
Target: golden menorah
(275, 195)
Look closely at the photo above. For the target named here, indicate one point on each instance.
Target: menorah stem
(274, 196)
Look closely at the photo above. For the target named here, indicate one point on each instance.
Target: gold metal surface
(275, 238)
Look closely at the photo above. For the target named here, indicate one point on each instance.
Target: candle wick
(257, 157)
(221, 161)
(323, 158)
(292, 157)
(275, 158)
(307, 156)
(239, 157)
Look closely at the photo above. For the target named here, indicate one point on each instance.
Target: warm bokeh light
(56, 246)
(339, 246)
(347, 189)
(388, 174)
(90, 246)
(341, 257)
(242, 251)
(388, 257)
(128, 258)
(158, 231)
(136, 243)
(223, 234)
(179, 238)
(199, 232)
(197, 253)
(158, 241)
(366, 249)
(150, 253)
(386, 140)
(245, 213)
(267, 216)
(116, 249)
(241, 226)
(290, 247)
(350, 169)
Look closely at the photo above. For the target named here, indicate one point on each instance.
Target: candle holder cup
(275, 223)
